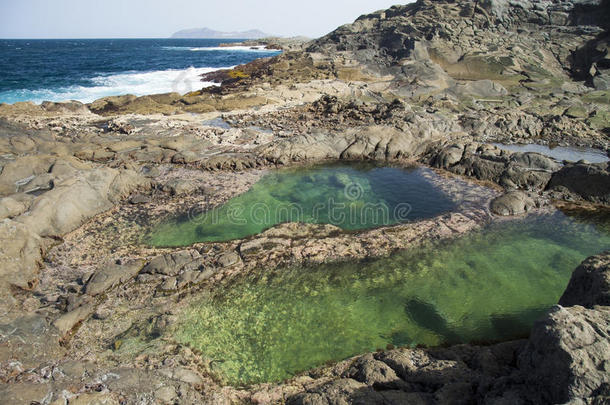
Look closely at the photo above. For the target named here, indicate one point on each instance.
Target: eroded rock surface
(590, 284)
(432, 82)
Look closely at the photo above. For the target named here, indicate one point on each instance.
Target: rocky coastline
(433, 83)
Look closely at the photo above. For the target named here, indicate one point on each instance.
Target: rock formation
(433, 83)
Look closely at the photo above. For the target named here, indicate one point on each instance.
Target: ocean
(88, 69)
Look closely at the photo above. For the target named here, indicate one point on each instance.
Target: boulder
(512, 203)
(368, 370)
(530, 171)
(567, 357)
(590, 283)
(587, 180)
(377, 142)
(449, 156)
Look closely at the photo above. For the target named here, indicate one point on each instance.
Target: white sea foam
(136, 83)
(257, 48)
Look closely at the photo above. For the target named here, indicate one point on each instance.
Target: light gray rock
(482, 88)
(166, 395)
(73, 201)
(183, 374)
(13, 206)
(179, 187)
(512, 203)
(172, 264)
(20, 254)
(228, 259)
(30, 341)
(66, 322)
(112, 274)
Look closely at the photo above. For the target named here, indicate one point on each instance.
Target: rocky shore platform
(432, 83)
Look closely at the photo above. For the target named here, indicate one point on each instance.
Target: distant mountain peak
(209, 33)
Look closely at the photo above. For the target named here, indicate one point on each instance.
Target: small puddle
(488, 286)
(217, 123)
(560, 153)
(353, 197)
(261, 129)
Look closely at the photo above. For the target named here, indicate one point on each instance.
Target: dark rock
(336, 392)
(568, 354)
(590, 283)
(589, 181)
(370, 371)
(530, 171)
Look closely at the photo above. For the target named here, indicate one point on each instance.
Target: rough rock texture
(512, 203)
(433, 82)
(54, 213)
(568, 354)
(112, 274)
(589, 181)
(529, 171)
(590, 283)
(468, 40)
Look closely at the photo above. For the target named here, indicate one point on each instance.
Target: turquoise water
(489, 286)
(355, 196)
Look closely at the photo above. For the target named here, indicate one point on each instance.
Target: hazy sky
(160, 18)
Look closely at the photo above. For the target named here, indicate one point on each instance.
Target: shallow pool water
(353, 196)
(217, 123)
(560, 153)
(489, 286)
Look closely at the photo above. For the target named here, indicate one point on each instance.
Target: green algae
(356, 196)
(488, 286)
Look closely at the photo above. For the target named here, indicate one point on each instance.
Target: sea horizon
(87, 69)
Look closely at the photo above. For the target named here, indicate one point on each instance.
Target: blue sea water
(87, 69)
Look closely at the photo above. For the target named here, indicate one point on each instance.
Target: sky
(161, 18)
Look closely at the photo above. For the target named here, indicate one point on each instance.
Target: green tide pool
(485, 287)
(352, 196)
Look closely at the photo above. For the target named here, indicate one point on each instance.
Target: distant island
(209, 33)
